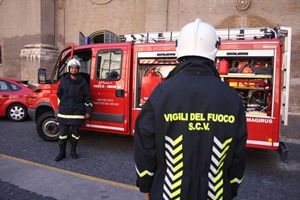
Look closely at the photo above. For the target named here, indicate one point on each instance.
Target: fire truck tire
(47, 127)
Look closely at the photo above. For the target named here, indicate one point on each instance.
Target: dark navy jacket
(190, 136)
(75, 100)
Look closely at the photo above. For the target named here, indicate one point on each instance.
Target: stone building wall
(19, 25)
(57, 23)
(133, 16)
(26, 34)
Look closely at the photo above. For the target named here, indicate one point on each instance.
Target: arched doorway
(103, 36)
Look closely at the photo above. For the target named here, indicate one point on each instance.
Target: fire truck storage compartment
(252, 78)
(151, 71)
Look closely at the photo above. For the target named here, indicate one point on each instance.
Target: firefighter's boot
(62, 150)
(73, 152)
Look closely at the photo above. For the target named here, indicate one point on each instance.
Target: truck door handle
(120, 93)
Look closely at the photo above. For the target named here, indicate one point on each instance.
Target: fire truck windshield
(84, 57)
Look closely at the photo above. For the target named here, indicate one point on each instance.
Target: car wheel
(47, 127)
(17, 112)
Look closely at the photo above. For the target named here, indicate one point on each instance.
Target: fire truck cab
(121, 77)
(256, 62)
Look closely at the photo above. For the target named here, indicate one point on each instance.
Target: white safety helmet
(73, 62)
(198, 39)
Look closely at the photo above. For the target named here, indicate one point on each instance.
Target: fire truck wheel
(47, 127)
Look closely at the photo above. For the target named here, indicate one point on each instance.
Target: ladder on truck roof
(224, 34)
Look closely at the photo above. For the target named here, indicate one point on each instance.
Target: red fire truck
(122, 75)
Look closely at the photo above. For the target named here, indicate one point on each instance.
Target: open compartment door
(286, 65)
(81, 39)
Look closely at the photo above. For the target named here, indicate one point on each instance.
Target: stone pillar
(43, 53)
(34, 56)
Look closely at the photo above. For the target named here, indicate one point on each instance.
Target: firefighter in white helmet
(74, 106)
(191, 133)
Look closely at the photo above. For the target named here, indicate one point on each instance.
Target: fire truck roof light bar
(228, 34)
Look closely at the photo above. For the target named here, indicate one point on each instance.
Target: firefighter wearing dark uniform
(75, 105)
(190, 136)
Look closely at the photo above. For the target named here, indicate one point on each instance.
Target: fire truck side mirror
(41, 76)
